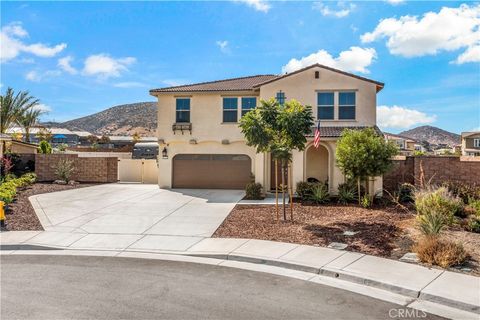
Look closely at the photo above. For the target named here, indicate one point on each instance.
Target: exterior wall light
(164, 153)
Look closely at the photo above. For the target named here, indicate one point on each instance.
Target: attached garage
(211, 171)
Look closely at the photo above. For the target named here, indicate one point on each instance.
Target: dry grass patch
(444, 253)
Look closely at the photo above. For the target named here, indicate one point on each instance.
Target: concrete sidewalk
(430, 285)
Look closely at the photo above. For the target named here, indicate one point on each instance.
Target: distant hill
(433, 135)
(125, 119)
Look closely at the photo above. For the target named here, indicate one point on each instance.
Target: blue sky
(80, 58)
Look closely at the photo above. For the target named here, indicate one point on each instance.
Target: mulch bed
(380, 230)
(20, 215)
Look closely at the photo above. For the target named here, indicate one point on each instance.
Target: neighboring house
(145, 150)
(201, 145)
(59, 135)
(471, 143)
(83, 137)
(122, 141)
(406, 145)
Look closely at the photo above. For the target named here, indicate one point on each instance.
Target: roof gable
(380, 85)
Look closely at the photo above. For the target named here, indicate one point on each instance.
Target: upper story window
(325, 101)
(280, 97)
(248, 104)
(346, 105)
(230, 107)
(182, 111)
(476, 143)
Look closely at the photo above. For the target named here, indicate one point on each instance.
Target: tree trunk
(290, 188)
(276, 187)
(27, 135)
(283, 191)
(358, 190)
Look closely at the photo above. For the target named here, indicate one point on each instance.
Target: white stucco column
(165, 172)
(297, 167)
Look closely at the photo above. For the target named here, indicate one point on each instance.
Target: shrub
(64, 169)
(44, 147)
(474, 205)
(366, 201)
(305, 189)
(9, 177)
(464, 191)
(431, 223)
(253, 191)
(473, 224)
(406, 192)
(30, 177)
(320, 194)
(438, 201)
(346, 194)
(445, 254)
(8, 189)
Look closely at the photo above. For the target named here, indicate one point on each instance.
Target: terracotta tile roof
(335, 132)
(234, 84)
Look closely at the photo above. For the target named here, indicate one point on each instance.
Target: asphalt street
(66, 287)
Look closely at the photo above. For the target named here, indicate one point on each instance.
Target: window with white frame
(230, 109)
(476, 143)
(248, 104)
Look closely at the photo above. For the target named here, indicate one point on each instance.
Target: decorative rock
(338, 245)
(349, 233)
(72, 182)
(59, 182)
(410, 257)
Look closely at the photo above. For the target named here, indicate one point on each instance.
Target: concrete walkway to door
(132, 211)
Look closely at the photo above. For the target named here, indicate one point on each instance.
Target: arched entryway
(317, 164)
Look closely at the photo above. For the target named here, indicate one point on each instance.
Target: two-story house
(471, 143)
(405, 145)
(201, 145)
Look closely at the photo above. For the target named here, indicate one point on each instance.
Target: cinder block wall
(437, 169)
(95, 169)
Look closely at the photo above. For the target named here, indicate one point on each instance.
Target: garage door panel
(211, 171)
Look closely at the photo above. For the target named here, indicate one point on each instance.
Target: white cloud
(396, 117)
(472, 54)
(131, 84)
(174, 82)
(395, 2)
(65, 64)
(450, 29)
(355, 59)
(258, 5)
(342, 10)
(37, 76)
(104, 66)
(12, 44)
(43, 107)
(223, 45)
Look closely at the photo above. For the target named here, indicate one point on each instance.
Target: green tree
(28, 119)
(278, 130)
(44, 147)
(104, 139)
(362, 154)
(13, 106)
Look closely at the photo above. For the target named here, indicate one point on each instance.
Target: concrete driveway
(135, 209)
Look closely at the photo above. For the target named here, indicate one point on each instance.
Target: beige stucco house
(201, 145)
(406, 146)
(471, 143)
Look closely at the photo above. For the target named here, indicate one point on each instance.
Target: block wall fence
(94, 169)
(437, 168)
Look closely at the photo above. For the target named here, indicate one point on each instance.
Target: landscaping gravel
(20, 215)
(378, 230)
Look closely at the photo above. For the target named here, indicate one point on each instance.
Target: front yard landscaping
(385, 231)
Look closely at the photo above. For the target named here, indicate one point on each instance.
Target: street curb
(342, 275)
(329, 272)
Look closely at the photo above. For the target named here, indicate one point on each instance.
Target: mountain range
(141, 117)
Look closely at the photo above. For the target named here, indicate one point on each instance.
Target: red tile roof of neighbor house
(335, 132)
(249, 83)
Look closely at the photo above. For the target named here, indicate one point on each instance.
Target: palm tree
(13, 107)
(28, 120)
